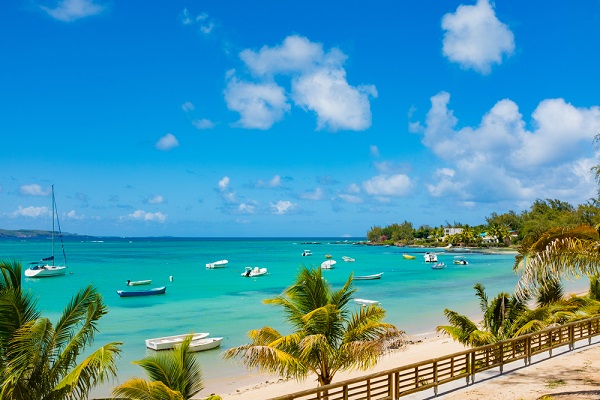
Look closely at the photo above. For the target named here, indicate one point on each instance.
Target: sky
(293, 118)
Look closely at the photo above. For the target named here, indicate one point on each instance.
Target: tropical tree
(39, 359)
(174, 375)
(327, 337)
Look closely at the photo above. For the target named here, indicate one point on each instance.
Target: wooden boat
(348, 259)
(367, 277)
(408, 257)
(205, 344)
(252, 272)
(366, 302)
(139, 283)
(169, 342)
(329, 264)
(217, 264)
(440, 265)
(45, 267)
(143, 292)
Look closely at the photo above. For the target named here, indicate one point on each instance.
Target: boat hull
(169, 342)
(252, 272)
(45, 271)
(408, 257)
(366, 302)
(137, 293)
(329, 264)
(367, 277)
(205, 344)
(139, 283)
(217, 264)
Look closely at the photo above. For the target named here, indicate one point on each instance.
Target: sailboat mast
(53, 224)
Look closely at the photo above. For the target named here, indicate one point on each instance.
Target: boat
(367, 277)
(306, 253)
(366, 302)
(252, 272)
(205, 344)
(328, 264)
(430, 257)
(139, 283)
(408, 257)
(143, 292)
(460, 260)
(169, 342)
(328, 256)
(440, 265)
(45, 267)
(217, 264)
(348, 259)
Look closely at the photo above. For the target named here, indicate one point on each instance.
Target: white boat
(252, 272)
(366, 302)
(438, 266)
(138, 283)
(430, 257)
(348, 259)
(306, 253)
(328, 264)
(367, 277)
(205, 344)
(169, 342)
(460, 260)
(45, 267)
(217, 264)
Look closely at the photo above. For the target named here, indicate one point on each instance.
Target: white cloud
(350, 198)
(502, 159)
(227, 195)
(31, 212)
(34, 190)
(475, 38)
(187, 106)
(203, 20)
(388, 185)
(203, 123)
(224, 183)
(317, 194)
(247, 208)
(73, 215)
(167, 142)
(71, 10)
(318, 83)
(283, 207)
(272, 183)
(260, 105)
(374, 150)
(141, 215)
(156, 199)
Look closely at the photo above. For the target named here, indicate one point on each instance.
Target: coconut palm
(174, 375)
(39, 359)
(327, 337)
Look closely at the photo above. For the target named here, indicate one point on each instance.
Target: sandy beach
(567, 375)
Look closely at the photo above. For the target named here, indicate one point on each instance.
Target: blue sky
(280, 118)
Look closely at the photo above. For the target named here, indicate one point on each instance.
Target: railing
(395, 383)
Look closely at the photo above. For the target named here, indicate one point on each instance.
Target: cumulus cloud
(274, 182)
(475, 38)
(388, 185)
(31, 212)
(156, 199)
(247, 208)
(317, 194)
(350, 198)
(71, 10)
(203, 123)
(224, 183)
(167, 142)
(502, 159)
(73, 215)
(33, 190)
(205, 24)
(187, 106)
(283, 207)
(227, 195)
(318, 83)
(141, 215)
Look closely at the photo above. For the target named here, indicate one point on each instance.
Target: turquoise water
(225, 304)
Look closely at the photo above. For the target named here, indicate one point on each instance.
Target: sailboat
(45, 267)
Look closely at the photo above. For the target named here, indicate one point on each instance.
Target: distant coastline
(30, 233)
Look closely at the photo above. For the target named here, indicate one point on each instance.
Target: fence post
(501, 358)
(435, 378)
(550, 336)
(571, 337)
(473, 366)
(468, 366)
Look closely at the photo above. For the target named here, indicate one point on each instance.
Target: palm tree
(326, 336)
(38, 358)
(174, 375)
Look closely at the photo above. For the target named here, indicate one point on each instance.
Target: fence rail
(395, 383)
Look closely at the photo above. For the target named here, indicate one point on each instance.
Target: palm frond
(139, 389)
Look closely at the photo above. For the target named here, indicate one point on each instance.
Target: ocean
(224, 303)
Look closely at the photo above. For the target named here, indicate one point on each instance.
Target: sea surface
(224, 303)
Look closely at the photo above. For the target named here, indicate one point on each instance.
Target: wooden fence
(395, 383)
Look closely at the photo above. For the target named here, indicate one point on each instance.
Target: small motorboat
(328, 256)
(367, 277)
(205, 344)
(430, 257)
(139, 283)
(306, 253)
(348, 259)
(366, 302)
(169, 342)
(408, 257)
(143, 292)
(328, 264)
(252, 272)
(460, 260)
(217, 264)
(440, 265)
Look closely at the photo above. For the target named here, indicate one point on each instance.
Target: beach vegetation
(326, 335)
(174, 375)
(39, 359)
